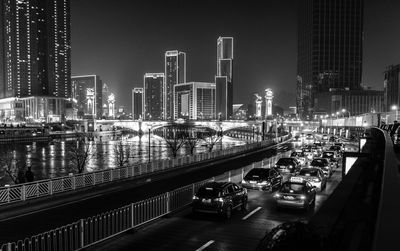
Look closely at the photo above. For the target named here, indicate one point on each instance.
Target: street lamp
(395, 108)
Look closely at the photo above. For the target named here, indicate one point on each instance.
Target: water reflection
(49, 160)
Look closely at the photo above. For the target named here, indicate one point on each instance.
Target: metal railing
(48, 187)
(92, 230)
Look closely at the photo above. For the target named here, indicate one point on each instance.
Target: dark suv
(220, 198)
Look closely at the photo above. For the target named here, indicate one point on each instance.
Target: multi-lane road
(185, 231)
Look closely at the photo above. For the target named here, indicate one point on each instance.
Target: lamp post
(276, 130)
(395, 108)
(149, 144)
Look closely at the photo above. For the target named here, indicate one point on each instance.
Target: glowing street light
(395, 108)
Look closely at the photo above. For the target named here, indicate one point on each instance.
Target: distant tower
(175, 73)
(269, 95)
(258, 106)
(111, 105)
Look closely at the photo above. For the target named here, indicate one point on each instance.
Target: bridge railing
(49, 187)
(92, 230)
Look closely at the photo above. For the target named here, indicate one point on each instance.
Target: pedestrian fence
(92, 230)
(48, 187)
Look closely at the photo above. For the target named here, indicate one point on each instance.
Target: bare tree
(211, 139)
(175, 140)
(80, 154)
(193, 141)
(122, 154)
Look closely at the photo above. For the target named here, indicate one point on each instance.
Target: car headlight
(219, 199)
(244, 182)
(302, 197)
(195, 197)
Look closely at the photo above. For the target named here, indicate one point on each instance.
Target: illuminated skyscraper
(224, 78)
(137, 103)
(175, 73)
(195, 101)
(36, 57)
(154, 96)
(330, 44)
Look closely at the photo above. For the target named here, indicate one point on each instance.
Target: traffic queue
(294, 181)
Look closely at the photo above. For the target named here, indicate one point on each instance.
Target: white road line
(205, 245)
(251, 213)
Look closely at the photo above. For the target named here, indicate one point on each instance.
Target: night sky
(120, 40)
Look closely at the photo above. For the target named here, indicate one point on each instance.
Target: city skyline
(271, 65)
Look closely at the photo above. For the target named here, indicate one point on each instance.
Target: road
(185, 231)
(35, 222)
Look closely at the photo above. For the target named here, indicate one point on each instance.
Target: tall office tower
(154, 96)
(36, 48)
(104, 99)
(195, 101)
(175, 73)
(137, 103)
(391, 87)
(87, 91)
(224, 78)
(330, 42)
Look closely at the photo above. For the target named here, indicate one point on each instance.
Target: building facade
(391, 87)
(154, 90)
(175, 73)
(330, 44)
(137, 104)
(35, 52)
(224, 78)
(353, 102)
(87, 92)
(195, 101)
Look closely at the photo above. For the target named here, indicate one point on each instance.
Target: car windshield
(319, 162)
(292, 188)
(284, 162)
(208, 192)
(328, 154)
(257, 173)
(308, 172)
(335, 148)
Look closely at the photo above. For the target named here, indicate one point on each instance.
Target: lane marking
(205, 245)
(251, 213)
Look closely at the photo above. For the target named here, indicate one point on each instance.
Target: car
(337, 149)
(262, 179)
(219, 198)
(301, 158)
(315, 176)
(297, 139)
(396, 139)
(323, 164)
(296, 193)
(287, 167)
(331, 156)
(308, 154)
(325, 137)
(309, 139)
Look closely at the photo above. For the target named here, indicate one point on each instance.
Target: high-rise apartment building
(330, 43)
(195, 101)
(35, 50)
(391, 87)
(87, 91)
(224, 78)
(175, 73)
(154, 96)
(137, 103)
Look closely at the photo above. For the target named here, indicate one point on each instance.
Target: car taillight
(219, 199)
(302, 197)
(263, 182)
(316, 180)
(195, 197)
(244, 182)
(277, 195)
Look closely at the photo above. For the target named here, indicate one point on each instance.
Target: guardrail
(92, 230)
(48, 187)
(386, 237)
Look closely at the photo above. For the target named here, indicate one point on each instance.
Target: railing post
(168, 206)
(50, 187)
(82, 233)
(23, 193)
(73, 182)
(132, 216)
(8, 195)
